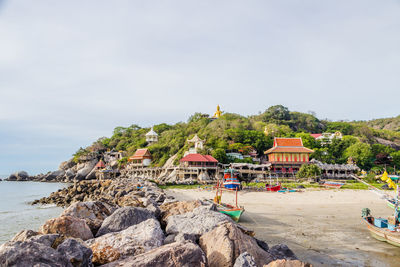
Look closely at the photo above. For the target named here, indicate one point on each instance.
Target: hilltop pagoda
(151, 137)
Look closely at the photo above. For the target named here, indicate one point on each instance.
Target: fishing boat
(233, 211)
(231, 181)
(382, 229)
(332, 184)
(273, 188)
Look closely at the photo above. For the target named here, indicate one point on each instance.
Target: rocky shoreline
(130, 222)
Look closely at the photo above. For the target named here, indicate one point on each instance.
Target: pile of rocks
(159, 232)
(121, 192)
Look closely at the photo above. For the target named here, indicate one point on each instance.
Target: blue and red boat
(231, 181)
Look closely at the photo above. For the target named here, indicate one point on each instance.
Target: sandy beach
(322, 227)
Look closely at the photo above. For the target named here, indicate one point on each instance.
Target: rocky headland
(131, 222)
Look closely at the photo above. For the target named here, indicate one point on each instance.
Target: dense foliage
(369, 147)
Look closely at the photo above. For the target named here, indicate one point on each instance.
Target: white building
(151, 137)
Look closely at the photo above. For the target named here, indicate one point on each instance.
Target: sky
(71, 71)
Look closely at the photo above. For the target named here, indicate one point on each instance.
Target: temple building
(142, 157)
(151, 137)
(198, 160)
(198, 144)
(287, 155)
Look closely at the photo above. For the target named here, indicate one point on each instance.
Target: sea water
(16, 212)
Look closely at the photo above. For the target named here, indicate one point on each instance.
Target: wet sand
(322, 227)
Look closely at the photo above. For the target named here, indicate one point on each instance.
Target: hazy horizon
(71, 71)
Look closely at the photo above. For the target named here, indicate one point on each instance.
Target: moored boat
(231, 181)
(382, 234)
(333, 184)
(233, 211)
(273, 188)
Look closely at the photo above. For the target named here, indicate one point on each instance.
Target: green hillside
(370, 146)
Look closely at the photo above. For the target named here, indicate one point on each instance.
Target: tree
(308, 171)
(276, 113)
(343, 127)
(220, 155)
(396, 159)
(308, 140)
(361, 153)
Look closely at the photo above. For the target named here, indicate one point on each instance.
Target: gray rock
(282, 251)
(29, 235)
(197, 222)
(22, 174)
(122, 218)
(93, 212)
(49, 240)
(245, 260)
(169, 239)
(134, 240)
(172, 255)
(29, 253)
(77, 253)
(182, 237)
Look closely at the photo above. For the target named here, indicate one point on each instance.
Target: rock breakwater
(134, 223)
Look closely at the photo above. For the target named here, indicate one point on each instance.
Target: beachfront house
(198, 160)
(142, 157)
(287, 155)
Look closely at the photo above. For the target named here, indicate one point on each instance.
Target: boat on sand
(234, 211)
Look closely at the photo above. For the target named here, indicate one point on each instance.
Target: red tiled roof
(278, 149)
(288, 145)
(288, 142)
(141, 154)
(315, 135)
(198, 158)
(100, 164)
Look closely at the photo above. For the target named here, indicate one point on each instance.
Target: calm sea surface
(17, 214)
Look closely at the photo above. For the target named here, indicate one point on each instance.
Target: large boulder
(77, 253)
(55, 175)
(122, 218)
(93, 212)
(134, 240)
(67, 226)
(178, 207)
(30, 253)
(172, 255)
(226, 242)
(65, 165)
(50, 240)
(19, 176)
(85, 170)
(288, 263)
(197, 222)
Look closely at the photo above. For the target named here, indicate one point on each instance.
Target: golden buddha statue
(218, 113)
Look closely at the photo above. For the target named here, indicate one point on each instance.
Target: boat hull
(233, 213)
(275, 188)
(232, 186)
(382, 234)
